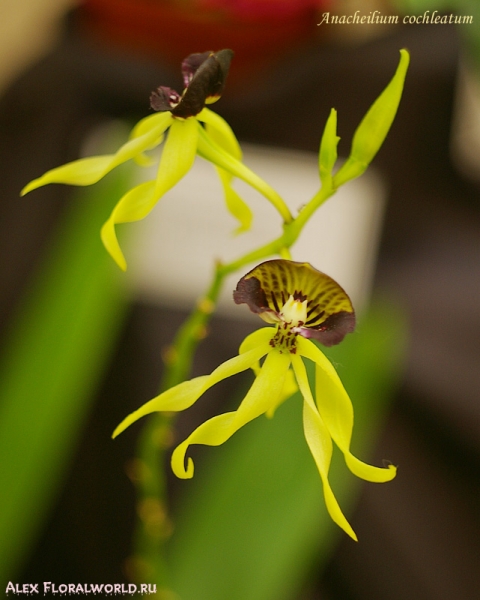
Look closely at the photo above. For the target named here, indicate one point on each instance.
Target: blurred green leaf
(253, 521)
(58, 345)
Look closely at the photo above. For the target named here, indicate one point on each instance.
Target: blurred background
(66, 67)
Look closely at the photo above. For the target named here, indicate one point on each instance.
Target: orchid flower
(301, 303)
(193, 129)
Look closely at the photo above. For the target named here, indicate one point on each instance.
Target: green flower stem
(282, 244)
(293, 230)
(153, 527)
(180, 355)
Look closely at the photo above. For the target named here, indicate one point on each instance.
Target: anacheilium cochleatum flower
(301, 303)
(193, 129)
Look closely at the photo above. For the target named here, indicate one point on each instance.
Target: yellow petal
(177, 158)
(142, 127)
(265, 390)
(146, 124)
(178, 154)
(235, 204)
(178, 398)
(259, 336)
(264, 336)
(335, 407)
(134, 205)
(87, 171)
(290, 387)
(221, 133)
(211, 151)
(144, 160)
(320, 444)
(185, 394)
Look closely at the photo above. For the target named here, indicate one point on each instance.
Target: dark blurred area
(420, 535)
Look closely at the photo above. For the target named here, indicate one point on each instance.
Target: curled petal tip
(393, 470)
(178, 463)
(190, 469)
(366, 471)
(388, 473)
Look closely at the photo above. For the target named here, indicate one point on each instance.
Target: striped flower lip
(303, 303)
(204, 76)
(297, 294)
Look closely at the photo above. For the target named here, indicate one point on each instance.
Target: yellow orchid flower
(193, 129)
(302, 303)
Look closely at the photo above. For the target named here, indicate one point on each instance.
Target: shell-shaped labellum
(267, 288)
(204, 75)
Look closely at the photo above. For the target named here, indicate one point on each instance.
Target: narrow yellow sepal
(214, 153)
(265, 390)
(87, 171)
(185, 394)
(220, 132)
(133, 206)
(177, 159)
(146, 124)
(257, 337)
(178, 398)
(178, 154)
(320, 443)
(264, 336)
(336, 410)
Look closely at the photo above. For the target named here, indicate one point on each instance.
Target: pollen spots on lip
(285, 339)
(292, 316)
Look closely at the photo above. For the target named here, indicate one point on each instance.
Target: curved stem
(153, 526)
(179, 356)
